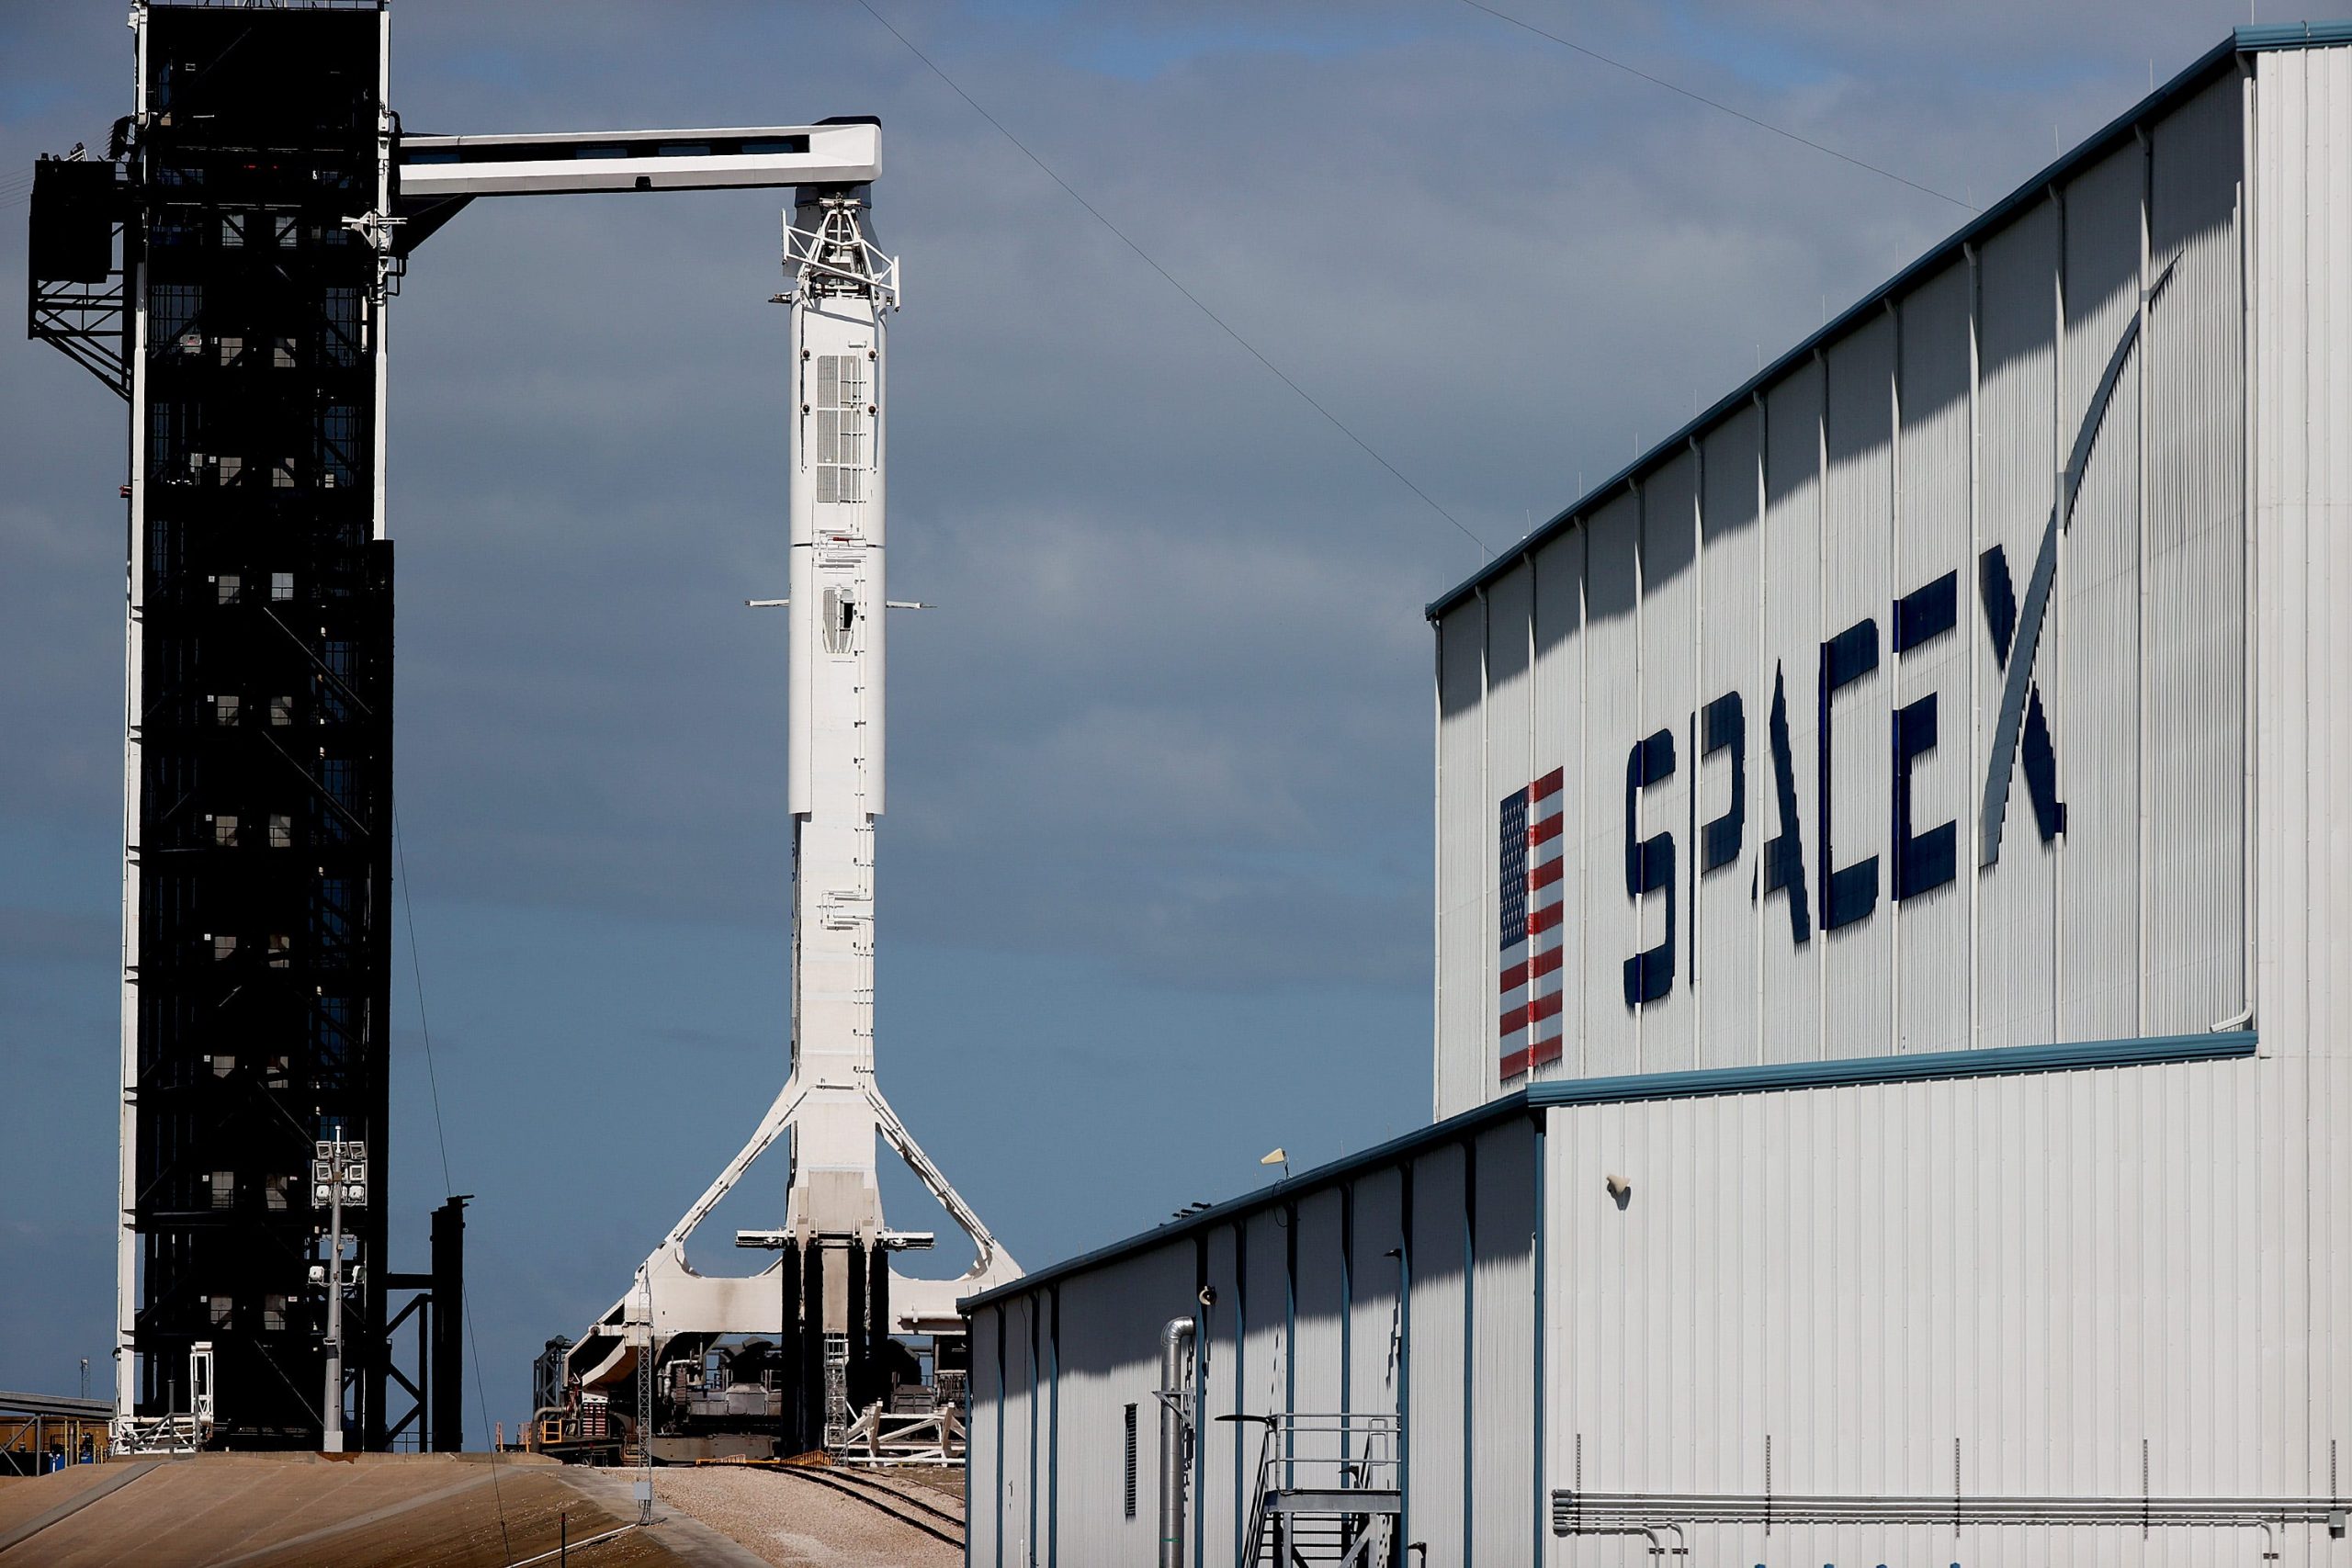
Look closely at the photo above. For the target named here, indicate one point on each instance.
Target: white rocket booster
(841, 288)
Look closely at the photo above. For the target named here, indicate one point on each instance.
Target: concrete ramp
(357, 1511)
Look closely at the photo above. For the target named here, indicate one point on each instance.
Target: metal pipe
(1175, 1347)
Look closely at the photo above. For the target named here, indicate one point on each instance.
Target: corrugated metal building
(1871, 831)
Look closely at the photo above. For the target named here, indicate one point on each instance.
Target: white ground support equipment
(829, 1299)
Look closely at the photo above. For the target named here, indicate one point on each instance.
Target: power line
(448, 1187)
(1223, 325)
(1717, 105)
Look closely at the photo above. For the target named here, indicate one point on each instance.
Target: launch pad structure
(226, 267)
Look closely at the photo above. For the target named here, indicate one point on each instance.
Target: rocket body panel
(835, 735)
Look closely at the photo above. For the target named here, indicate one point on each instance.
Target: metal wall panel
(1558, 740)
(1018, 1513)
(2016, 314)
(1728, 780)
(985, 1479)
(2299, 259)
(2074, 864)
(2195, 624)
(1107, 1360)
(1858, 591)
(1935, 534)
(1503, 1493)
(1438, 1341)
(1266, 1290)
(1220, 1506)
(1465, 833)
(1320, 1345)
(2098, 693)
(1667, 695)
(1376, 1343)
(1611, 639)
(2007, 1270)
(1509, 707)
(1789, 988)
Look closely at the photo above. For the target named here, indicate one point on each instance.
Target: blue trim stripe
(1997, 1062)
(1989, 1063)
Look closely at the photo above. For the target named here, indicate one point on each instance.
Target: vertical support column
(126, 1259)
(812, 1344)
(877, 1324)
(857, 1374)
(788, 1440)
(447, 1367)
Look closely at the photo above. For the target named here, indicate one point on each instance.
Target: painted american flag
(1531, 821)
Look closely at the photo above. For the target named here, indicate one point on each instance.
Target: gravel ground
(792, 1523)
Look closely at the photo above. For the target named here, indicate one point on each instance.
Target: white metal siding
(1896, 458)
(1868, 1275)
(1434, 1420)
(1466, 839)
(1320, 1345)
(1224, 1450)
(1934, 535)
(1559, 734)
(1611, 641)
(2195, 625)
(1108, 1361)
(984, 1475)
(1789, 993)
(1509, 711)
(1858, 589)
(1265, 1386)
(2098, 670)
(2016, 457)
(1668, 697)
(1502, 1416)
(1375, 1343)
(1018, 1511)
(1723, 915)
(2299, 256)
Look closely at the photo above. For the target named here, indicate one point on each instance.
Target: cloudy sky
(1155, 878)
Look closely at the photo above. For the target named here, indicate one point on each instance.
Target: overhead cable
(1337, 424)
(1717, 105)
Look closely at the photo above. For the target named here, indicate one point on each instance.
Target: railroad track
(875, 1494)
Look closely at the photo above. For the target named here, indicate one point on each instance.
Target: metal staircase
(1327, 1492)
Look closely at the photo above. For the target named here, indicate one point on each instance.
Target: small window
(224, 830)
(274, 1190)
(226, 469)
(232, 230)
(281, 830)
(281, 711)
(1131, 1462)
(223, 948)
(231, 348)
(222, 1307)
(281, 474)
(229, 585)
(281, 951)
(273, 1314)
(288, 228)
(223, 1064)
(282, 354)
(224, 1189)
(281, 587)
(224, 708)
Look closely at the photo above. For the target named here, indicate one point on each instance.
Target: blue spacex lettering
(1836, 894)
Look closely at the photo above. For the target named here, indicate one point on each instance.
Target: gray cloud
(1170, 725)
